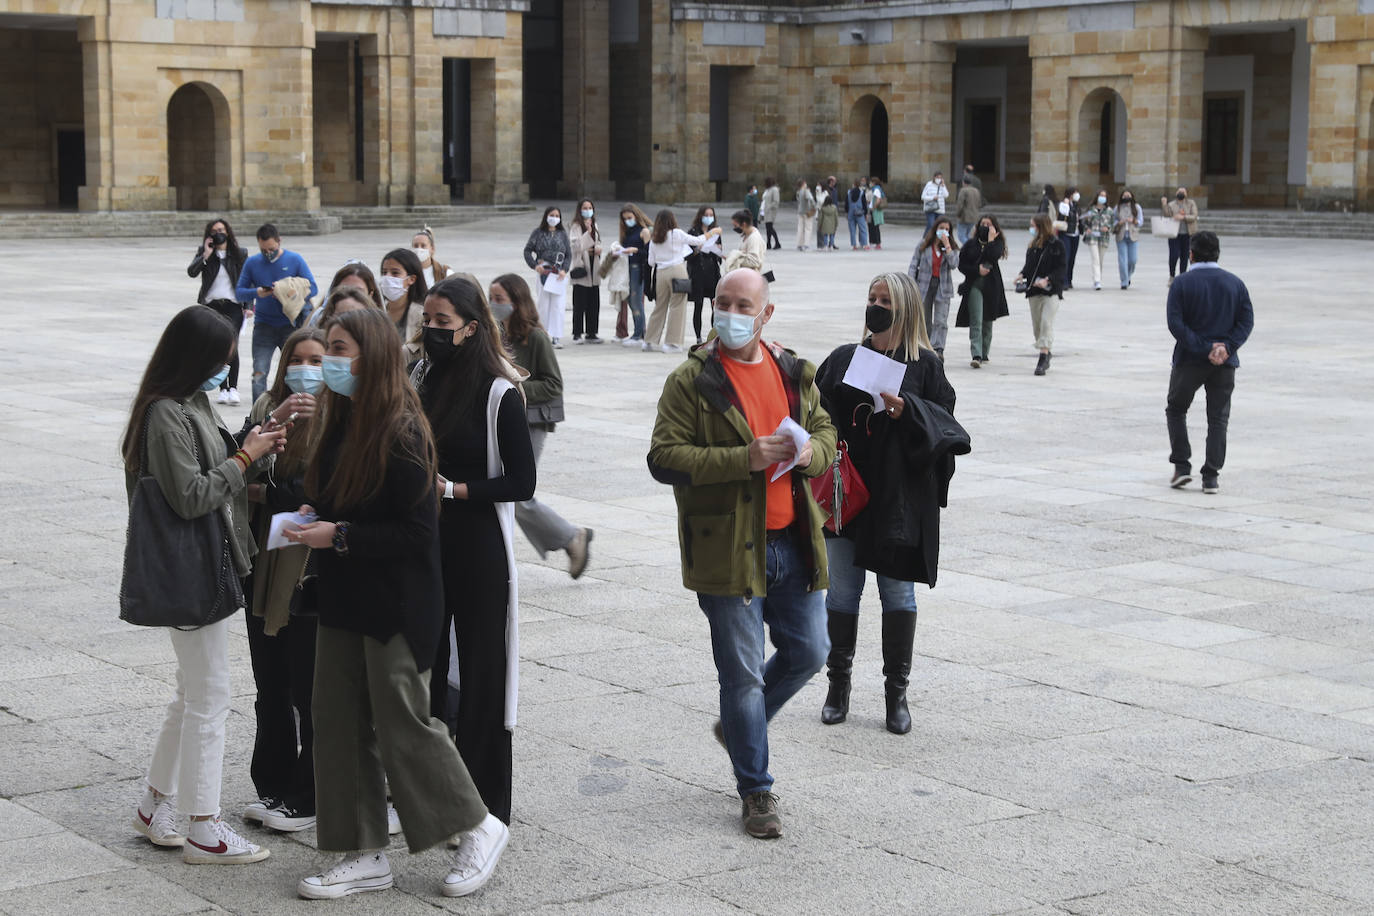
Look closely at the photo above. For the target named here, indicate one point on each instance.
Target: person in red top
(933, 268)
(752, 547)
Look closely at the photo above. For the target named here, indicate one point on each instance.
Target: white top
(674, 248)
(221, 287)
(429, 275)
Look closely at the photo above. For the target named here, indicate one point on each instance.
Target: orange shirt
(759, 388)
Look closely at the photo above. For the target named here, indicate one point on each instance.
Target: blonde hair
(908, 317)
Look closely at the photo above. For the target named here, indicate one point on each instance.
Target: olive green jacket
(214, 484)
(701, 446)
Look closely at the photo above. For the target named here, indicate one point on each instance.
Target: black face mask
(219, 238)
(1180, 196)
(982, 233)
(439, 344)
(878, 318)
(739, 230)
(1127, 200)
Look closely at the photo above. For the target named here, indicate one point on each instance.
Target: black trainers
(1042, 364)
(288, 819)
(1180, 480)
(1209, 484)
(761, 818)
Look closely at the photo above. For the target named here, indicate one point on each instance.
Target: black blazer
(390, 581)
(233, 262)
(905, 463)
(1049, 261)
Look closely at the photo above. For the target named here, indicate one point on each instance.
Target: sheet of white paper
(799, 436)
(556, 285)
(872, 372)
(283, 522)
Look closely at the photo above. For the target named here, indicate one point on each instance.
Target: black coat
(972, 254)
(1049, 261)
(390, 581)
(233, 262)
(906, 464)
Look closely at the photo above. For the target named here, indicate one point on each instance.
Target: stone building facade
(298, 105)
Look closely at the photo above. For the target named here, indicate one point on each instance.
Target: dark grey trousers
(1184, 381)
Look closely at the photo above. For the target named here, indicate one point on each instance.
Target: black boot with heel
(844, 629)
(899, 636)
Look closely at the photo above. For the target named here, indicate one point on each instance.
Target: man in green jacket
(752, 547)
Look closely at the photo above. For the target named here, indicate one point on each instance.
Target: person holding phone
(218, 263)
(549, 253)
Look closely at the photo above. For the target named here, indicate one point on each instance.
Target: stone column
(586, 101)
(1051, 60)
(97, 98)
(427, 187)
(667, 62)
(279, 138)
(1183, 121)
(1342, 72)
(696, 123)
(508, 185)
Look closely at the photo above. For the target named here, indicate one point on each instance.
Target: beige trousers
(1042, 312)
(806, 230)
(670, 308)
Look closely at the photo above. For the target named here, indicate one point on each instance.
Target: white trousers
(188, 760)
(551, 312)
(806, 230)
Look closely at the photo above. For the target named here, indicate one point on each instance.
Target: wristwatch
(340, 542)
(448, 489)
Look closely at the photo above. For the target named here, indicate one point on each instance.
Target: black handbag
(1024, 284)
(177, 572)
(682, 284)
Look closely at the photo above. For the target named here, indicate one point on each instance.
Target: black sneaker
(288, 819)
(1180, 480)
(761, 818)
(1209, 485)
(253, 814)
(1042, 364)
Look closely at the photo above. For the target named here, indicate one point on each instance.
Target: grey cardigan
(193, 489)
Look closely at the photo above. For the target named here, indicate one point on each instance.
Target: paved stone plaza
(1127, 699)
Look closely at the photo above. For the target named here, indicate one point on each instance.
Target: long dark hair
(664, 223)
(449, 394)
(300, 445)
(544, 220)
(583, 224)
(232, 246)
(382, 419)
(411, 265)
(524, 317)
(697, 227)
(196, 344)
(929, 238)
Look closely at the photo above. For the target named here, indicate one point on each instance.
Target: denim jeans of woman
(847, 583)
(1127, 251)
(637, 300)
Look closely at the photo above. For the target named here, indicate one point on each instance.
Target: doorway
(877, 142)
(71, 167)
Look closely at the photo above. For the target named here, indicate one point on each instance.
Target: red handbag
(839, 490)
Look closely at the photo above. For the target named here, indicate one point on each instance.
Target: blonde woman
(897, 536)
(422, 244)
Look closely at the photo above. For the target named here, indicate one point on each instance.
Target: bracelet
(340, 542)
(244, 461)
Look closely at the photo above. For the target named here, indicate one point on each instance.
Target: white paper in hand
(283, 522)
(799, 436)
(555, 285)
(874, 373)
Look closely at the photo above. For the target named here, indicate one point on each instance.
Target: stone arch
(198, 155)
(867, 139)
(1101, 141)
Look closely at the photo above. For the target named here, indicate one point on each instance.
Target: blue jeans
(847, 583)
(1126, 255)
(828, 240)
(962, 231)
(752, 690)
(637, 300)
(859, 221)
(931, 217)
(267, 340)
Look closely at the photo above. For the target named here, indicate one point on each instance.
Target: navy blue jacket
(1207, 305)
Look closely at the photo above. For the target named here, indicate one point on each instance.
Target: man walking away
(752, 547)
(1210, 316)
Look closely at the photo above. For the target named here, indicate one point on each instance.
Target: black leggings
(773, 241)
(696, 314)
(586, 302)
(233, 313)
(283, 764)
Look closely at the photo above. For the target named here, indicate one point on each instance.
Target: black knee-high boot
(843, 629)
(899, 635)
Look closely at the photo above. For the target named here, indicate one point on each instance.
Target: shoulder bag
(839, 490)
(1024, 284)
(177, 572)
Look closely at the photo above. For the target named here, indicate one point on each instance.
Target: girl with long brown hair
(531, 350)
(933, 268)
(281, 628)
(549, 253)
(380, 600)
(485, 466)
(897, 536)
(1044, 274)
(585, 238)
(983, 299)
(200, 469)
(633, 248)
(668, 250)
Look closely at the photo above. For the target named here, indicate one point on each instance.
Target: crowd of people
(369, 499)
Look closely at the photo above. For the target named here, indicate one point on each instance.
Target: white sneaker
(223, 397)
(253, 814)
(557, 343)
(287, 819)
(393, 820)
(161, 826)
(478, 852)
(672, 348)
(213, 842)
(234, 400)
(367, 871)
(631, 342)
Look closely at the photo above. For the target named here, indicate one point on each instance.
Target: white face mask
(588, 214)
(1101, 199)
(392, 288)
(629, 222)
(421, 253)
(707, 220)
(1075, 197)
(553, 221)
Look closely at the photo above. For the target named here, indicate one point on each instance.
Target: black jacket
(234, 259)
(906, 464)
(390, 581)
(972, 254)
(1049, 261)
